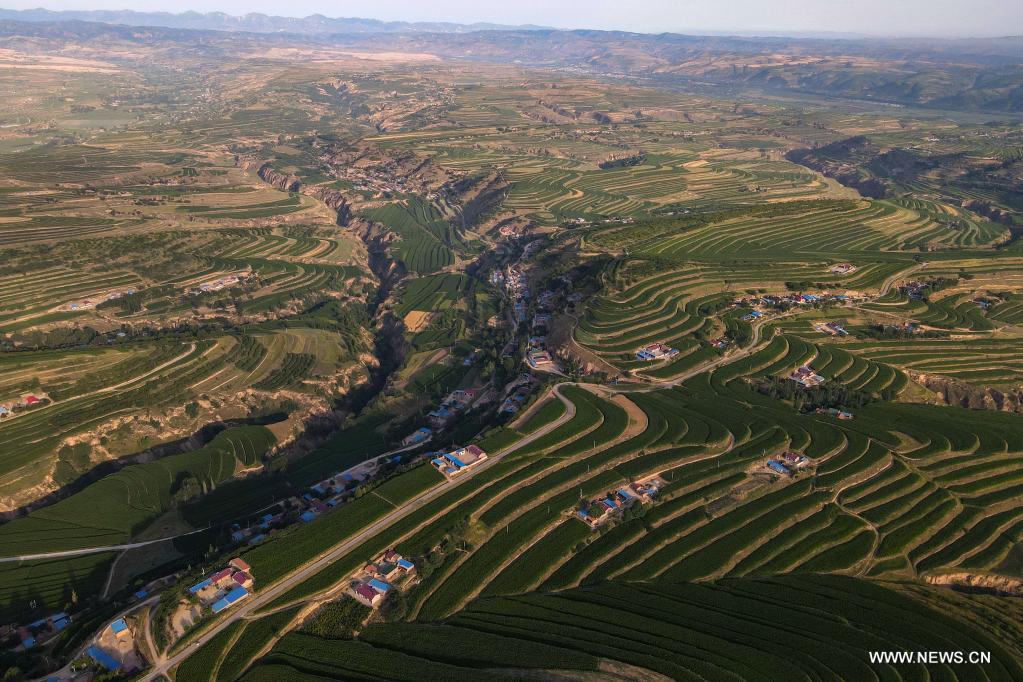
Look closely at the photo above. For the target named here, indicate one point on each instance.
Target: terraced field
(874, 501)
(91, 387)
(715, 630)
(434, 293)
(563, 190)
(832, 229)
(426, 235)
(936, 496)
(983, 361)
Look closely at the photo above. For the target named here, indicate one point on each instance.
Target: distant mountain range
(253, 22)
(968, 74)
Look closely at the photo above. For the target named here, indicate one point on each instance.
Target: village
(760, 306)
(115, 648)
(338, 488)
(537, 356)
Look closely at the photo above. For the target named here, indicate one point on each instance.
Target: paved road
(93, 550)
(324, 560)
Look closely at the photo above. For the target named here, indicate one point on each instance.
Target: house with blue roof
(104, 659)
(230, 599)
(420, 435)
(440, 417)
(120, 628)
(379, 585)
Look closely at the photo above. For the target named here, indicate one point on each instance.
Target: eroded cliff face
(961, 394)
(478, 196)
(377, 239)
(334, 199)
(980, 582)
(841, 161)
(622, 159)
(285, 183)
(983, 208)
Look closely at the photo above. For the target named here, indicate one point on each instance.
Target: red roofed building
(243, 579)
(221, 576)
(240, 564)
(31, 400)
(367, 595)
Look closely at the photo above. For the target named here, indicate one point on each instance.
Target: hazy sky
(888, 17)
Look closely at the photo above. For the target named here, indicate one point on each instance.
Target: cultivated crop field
(712, 630)
(904, 489)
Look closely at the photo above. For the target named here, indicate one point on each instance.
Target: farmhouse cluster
(538, 356)
(455, 403)
(518, 393)
(90, 303)
(220, 283)
(26, 402)
(788, 463)
(656, 351)
(762, 305)
(225, 588)
(831, 328)
(36, 633)
(599, 511)
(458, 461)
(389, 571)
(806, 377)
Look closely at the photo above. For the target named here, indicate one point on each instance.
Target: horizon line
(695, 31)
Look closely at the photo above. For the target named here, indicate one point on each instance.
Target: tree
(187, 487)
